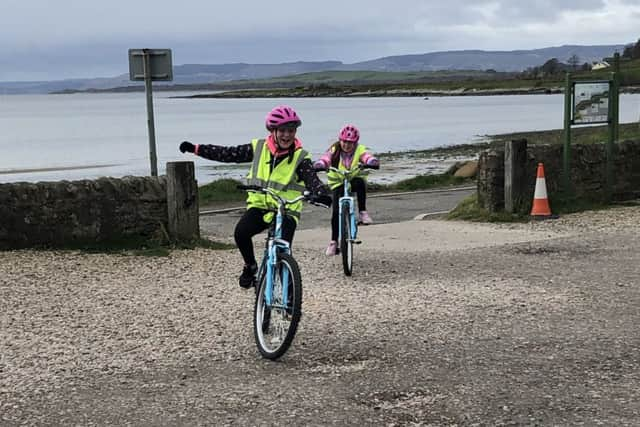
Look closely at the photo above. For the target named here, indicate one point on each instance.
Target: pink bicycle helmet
(280, 116)
(349, 133)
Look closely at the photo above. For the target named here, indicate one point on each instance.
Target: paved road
(384, 208)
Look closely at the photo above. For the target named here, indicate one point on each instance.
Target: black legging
(359, 187)
(252, 223)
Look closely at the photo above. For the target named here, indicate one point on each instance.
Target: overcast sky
(57, 39)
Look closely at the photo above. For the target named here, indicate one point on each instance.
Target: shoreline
(400, 165)
(340, 92)
(55, 169)
(348, 93)
(396, 166)
(379, 93)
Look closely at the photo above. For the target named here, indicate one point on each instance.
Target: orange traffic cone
(540, 208)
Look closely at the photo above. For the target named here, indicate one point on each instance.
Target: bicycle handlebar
(306, 195)
(348, 172)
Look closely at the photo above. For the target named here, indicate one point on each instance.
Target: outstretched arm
(235, 154)
(323, 162)
(368, 159)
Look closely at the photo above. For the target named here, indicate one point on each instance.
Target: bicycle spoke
(275, 326)
(346, 242)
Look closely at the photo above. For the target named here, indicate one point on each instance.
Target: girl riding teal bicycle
(347, 154)
(278, 162)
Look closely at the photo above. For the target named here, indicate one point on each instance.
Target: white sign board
(591, 102)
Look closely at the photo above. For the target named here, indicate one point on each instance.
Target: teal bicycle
(278, 305)
(348, 217)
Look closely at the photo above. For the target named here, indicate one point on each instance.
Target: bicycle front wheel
(275, 325)
(346, 243)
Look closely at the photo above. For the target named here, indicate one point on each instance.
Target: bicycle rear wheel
(275, 326)
(346, 243)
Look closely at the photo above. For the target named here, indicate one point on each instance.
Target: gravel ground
(442, 323)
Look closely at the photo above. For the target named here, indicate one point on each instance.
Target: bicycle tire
(274, 328)
(346, 243)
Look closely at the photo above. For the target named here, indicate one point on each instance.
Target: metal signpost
(149, 65)
(590, 102)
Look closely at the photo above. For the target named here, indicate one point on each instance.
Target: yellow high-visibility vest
(335, 180)
(281, 179)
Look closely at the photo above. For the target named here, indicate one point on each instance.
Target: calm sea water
(85, 136)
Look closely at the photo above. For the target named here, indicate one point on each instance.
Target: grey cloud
(76, 37)
(544, 9)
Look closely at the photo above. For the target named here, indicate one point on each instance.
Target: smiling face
(285, 136)
(347, 146)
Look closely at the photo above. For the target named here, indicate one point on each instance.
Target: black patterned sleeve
(306, 172)
(236, 154)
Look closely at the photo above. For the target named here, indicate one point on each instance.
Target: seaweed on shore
(443, 152)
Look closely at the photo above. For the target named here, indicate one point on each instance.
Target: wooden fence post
(182, 201)
(515, 158)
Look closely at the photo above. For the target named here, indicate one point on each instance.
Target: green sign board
(590, 102)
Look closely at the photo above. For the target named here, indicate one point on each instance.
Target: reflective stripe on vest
(334, 180)
(280, 179)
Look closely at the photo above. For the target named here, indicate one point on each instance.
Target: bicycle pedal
(357, 242)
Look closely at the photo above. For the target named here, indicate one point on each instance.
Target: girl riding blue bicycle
(347, 154)
(278, 162)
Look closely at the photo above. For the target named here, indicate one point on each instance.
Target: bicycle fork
(347, 202)
(276, 245)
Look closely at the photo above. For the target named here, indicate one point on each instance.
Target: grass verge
(221, 191)
(420, 182)
(582, 135)
(469, 210)
(224, 190)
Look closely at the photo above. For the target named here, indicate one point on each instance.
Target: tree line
(632, 51)
(553, 67)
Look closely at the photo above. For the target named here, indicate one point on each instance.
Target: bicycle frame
(278, 304)
(347, 201)
(274, 244)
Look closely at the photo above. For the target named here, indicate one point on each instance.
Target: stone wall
(64, 213)
(587, 174)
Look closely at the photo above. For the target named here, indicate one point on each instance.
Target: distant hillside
(202, 73)
(515, 60)
(508, 61)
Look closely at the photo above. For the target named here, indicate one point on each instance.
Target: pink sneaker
(365, 218)
(332, 249)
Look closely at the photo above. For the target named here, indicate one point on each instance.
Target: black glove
(372, 164)
(187, 146)
(321, 199)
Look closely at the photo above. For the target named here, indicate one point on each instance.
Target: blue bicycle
(348, 217)
(278, 305)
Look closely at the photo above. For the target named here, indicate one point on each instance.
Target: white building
(600, 65)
